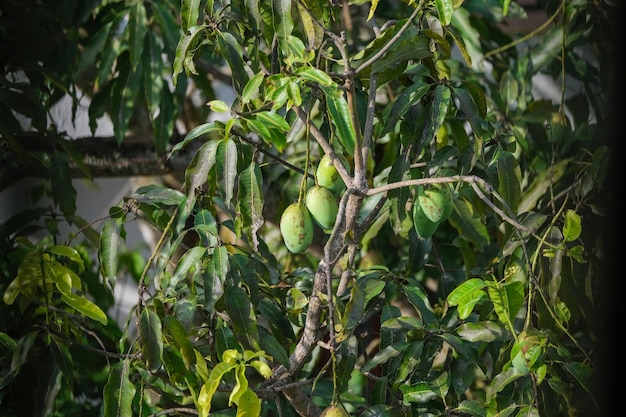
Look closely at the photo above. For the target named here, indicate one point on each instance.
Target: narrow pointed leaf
(509, 186)
(341, 117)
(242, 316)
(151, 333)
(226, 161)
(189, 260)
(189, 11)
(108, 253)
(119, 392)
(251, 200)
(137, 29)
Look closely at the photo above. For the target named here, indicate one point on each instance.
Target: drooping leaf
(152, 72)
(108, 253)
(242, 316)
(63, 191)
(185, 52)
(509, 175)
(137, 30)
(231, 51)
(444, 9)
(151, 333)
(282, 21)
(119, 391)
(124, 94)
(210, 386)
(340, 116)
(226, 165)
(189, 11)
(251, 200)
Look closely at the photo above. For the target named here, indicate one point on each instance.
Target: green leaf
(403, 102)
(116, 43)
(190, 260)
(466, 295)
(272, 346)
(444, 9)
(180, 339)
(582, 373)
(278, 321)
(230, 49)
(189, 11)
(470, 109)
(70, 253)
(94, 47)
(484, 331)
(210, 386)
(540, 184)
(419, 299)
(241, 385)
(138, 27)
(242, 316)
(108, 253)
(340, 115)
(185, 49)
(471, 407)
(159, 194)
(248, 404)
(151, 333)
(282, 21)
(251, 90)
(198, 169)
(507, 299)
(469, 226)
(420, 393)
(226, 165)
(509, 175)
(204, 129)
(164, 123)
(119, 392)
(63, 190)
(314, 75)
(310, 11)
(384, 355)
(572, 227)
(251, 201)
(152, 72)
(437, 112)
(124, 94)
(85, 307)
(500, 381)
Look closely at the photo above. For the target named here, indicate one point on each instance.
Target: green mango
(423, 225)
(296, 227)
(328, 176)
(322, 205)
(436, 201)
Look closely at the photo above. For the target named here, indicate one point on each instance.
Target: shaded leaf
(150, 331)
(119, 392)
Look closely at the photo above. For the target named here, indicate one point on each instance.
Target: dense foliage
(450, 259)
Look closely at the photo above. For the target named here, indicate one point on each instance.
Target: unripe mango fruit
(436, 201)
(296, 227)
(328, 176)
(423, 225)
(334, 411)
(322, 205)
